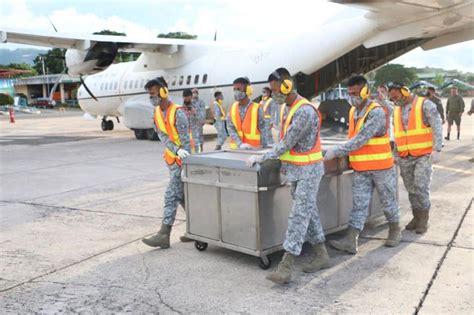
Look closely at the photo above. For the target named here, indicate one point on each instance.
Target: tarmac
(75, 202)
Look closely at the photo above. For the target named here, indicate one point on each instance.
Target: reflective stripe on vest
(312, 156)
(376, 154)
(222, 110)
(417, 140)
(168, 126)
(248, 129)
(266, 104)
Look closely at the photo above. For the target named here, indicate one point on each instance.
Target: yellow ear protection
(286, 84)
(248, 88)
(364, 92)
(405, 91)
(163, 89)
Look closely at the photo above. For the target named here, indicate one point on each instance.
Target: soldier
(245, 121)
(454, 111)
(193, 118)
(418, 133)
(172, 127)
(269, 108)
(200, 107)
(371, 157)
(431, 95)
(382, 98)
(219, 117)
(299, 150)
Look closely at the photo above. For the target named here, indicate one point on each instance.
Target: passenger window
(188, 80)
(102, 86)
(115, 85)
(136, 84)
(181, 78)
(142, 83)
(174, 81)
(196, 79)
(110, 85)
(130, 84)
(204, 79)
(125, 84)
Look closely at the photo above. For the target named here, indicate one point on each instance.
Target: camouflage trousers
(303, 222)
(268, 132)
(416, 174)
(201, 133)
(221, 131)
(174, 195)
(363, 184)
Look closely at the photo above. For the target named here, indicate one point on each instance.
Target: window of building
(196, 79)
(102, 86)
(181, 79)
(204, 79)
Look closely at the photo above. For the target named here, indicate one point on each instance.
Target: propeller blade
(87, 89)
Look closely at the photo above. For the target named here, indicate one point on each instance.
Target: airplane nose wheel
(107, 125)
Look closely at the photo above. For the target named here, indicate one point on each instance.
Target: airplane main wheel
(140, 134)
(151, 134)
(103, 125)
(110, 125)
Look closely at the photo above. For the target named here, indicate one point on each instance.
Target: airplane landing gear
(107, 124)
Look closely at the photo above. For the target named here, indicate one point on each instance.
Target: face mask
(279, 98)
(355, 100)
(400, 102)
(239, 95)
(187, 103)
(155, 100)
(195, 95)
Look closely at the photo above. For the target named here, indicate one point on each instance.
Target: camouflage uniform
(389, 107)
(439, 106)
(174, 194)
(261, 125)
(272, 110)
(200, 107)
(416, 171)
(303, 222)
(193, 121)
(363, 183)
(219, 124)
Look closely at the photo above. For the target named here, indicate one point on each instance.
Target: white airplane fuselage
(120, 88)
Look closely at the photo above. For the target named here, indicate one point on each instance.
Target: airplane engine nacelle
(95, 59)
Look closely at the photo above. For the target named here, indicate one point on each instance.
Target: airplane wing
(442, 22)
(124, 43)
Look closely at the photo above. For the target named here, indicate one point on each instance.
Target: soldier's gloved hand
(330, 154)
(182, 153)
(245, 146)
(252, 160)
(435, 157)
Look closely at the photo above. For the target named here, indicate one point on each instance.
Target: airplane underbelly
(102, 107)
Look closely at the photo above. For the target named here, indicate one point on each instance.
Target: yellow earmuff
(163, 92)
(364, 92)
(405, 91)
(286, 86)
(248, 90)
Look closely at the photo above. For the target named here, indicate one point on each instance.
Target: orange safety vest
(248, 129)
(222, 111)
(266, 104)
(168, 126)
(376, 154)
(417, 140)
(312, 156)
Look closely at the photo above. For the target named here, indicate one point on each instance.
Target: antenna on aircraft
(215, 35)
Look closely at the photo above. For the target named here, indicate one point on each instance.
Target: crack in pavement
(85, 210)
(166, 304)
(441, 262)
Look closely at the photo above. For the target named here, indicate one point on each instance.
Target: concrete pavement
(75, 202)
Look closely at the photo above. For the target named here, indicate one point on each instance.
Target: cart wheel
(200, 246)
(265, 262)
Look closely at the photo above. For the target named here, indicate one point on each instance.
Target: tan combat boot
(411, 226)
(160, 239)
(349, 242)
(394, 235)
(422, 226)
(282, 274)
(320, 260)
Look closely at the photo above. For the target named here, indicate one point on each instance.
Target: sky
(242, 20)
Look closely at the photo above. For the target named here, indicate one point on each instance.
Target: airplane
(318, 58)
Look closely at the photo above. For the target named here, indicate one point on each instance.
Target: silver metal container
(246, 209)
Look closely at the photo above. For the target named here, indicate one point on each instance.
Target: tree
(6, 99)
(438, 80)
(177, 35)
(121, 56)
(395, 72)
(53, 61)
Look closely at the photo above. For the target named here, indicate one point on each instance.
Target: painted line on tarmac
(443, 258)
(457, 170)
